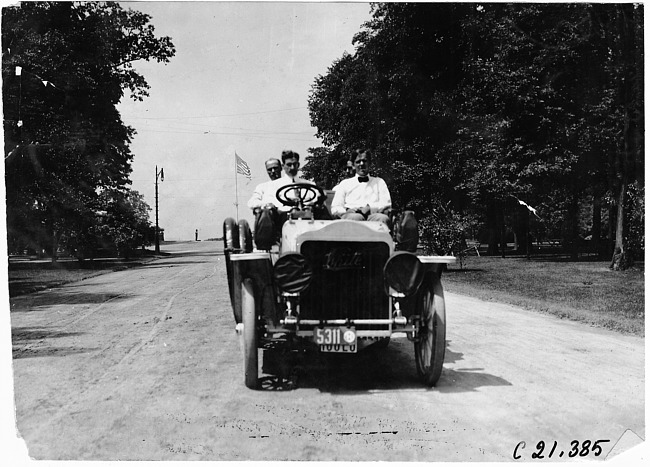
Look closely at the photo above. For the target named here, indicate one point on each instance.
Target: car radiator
(347, 282)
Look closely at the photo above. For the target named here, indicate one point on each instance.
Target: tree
(487, 104)
(325, 167)
(627, 47)
(66, 66)
(125, 222)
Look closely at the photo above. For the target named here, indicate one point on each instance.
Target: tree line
(472, 110)
(65, 67)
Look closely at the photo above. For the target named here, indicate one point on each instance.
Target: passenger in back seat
(362, 197)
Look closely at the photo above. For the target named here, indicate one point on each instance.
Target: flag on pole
(19, 70)
(242, 167)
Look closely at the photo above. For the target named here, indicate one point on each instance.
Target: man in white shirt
(262, 194)
(290, 166)
(362, 197)
(270, 213)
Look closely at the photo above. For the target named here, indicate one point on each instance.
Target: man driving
(265, 193)
(270, 213)
(290, 166)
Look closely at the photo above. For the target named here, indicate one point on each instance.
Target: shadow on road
(467, 379)
(165, 264)
(371, 370)
(26, 335)
(25, 342)
(65, 297)
(30, 352)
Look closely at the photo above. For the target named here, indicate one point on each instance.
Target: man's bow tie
(363, 179)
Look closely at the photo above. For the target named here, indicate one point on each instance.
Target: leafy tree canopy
(483, 104)
(66, 66)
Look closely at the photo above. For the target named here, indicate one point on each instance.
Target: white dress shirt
(352, 194)
(264, 193)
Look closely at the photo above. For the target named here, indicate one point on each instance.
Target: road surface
(145, 364)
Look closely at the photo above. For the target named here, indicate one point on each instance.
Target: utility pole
(162, 179)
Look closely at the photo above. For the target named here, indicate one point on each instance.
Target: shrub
(443, 232)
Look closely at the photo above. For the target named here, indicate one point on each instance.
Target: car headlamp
(292, 273)
(403, 274)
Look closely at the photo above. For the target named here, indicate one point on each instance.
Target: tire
(430, 342)
(229, 229)
(245, 236)
(249, 320)
(231, 287)
(230, 234)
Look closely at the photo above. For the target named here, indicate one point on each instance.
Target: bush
(443, 232)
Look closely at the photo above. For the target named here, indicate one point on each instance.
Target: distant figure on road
(196, 235)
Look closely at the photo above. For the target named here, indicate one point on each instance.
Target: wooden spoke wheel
(430, 340)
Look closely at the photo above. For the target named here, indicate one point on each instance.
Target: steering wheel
(299, 194)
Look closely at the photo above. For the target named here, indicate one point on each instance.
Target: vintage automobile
(334, 286)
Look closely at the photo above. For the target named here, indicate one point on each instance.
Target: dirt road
(145, 364)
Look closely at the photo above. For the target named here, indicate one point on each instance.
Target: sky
(239, 82)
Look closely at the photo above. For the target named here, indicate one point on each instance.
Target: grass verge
(586, 291)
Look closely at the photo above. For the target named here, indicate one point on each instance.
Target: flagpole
(236, 189)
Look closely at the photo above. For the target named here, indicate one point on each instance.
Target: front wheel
(430, 340)
(249, 320)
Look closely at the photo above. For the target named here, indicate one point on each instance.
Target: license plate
(336, 339)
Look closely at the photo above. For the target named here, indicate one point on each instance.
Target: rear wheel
(430, 341)
(245, 236)
(249, 321)
(230, 232)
